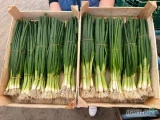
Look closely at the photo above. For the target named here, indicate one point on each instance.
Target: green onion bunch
(144, 60)
(54, 58)
(115, 59)
(38, 86)
(70, 58)
(29, 66)
(101, 57)
(130, 60)
(17, 58)
(87, 56)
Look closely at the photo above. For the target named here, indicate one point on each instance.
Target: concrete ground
(11, 113)
(7, 113)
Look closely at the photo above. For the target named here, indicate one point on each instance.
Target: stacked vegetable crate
(141, 3)
(92, 93)
(44, 49)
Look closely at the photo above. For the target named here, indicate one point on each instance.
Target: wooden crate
(124, 12)
(33, 15)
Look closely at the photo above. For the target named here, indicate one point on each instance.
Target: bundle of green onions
(54, 59)
(101, 57)
(17, 58)
(115, 59)
(29, 61)
(38, 86)
(130, 60)
(144, 60)
(87, 56)
(70, 58)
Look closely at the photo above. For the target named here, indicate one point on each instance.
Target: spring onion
(101, 57)
(115, 59)
(17, 58)
(70, 58)
(87, 56)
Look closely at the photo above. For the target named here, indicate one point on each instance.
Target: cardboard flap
(75, 11)
(148, 9)
(153, 103)
(15, 13)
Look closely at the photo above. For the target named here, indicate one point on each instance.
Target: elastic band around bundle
(87, 39)
(30, 50)
(130, 43)
(127, 77)
(15, 77)
(55, 45)
(101, 44)
(143, 36)
(144, 71)
(38, 79)
(70, 41)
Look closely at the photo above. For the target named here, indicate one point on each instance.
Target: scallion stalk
(115, 59)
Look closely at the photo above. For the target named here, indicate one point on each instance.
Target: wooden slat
(36, 105)
(153, 103)
(5, 74)
(110, 11)
(119, 105)
(4, 100)
(71, 105)
(154, 66)
(78, 60)
(81, 103)
(62, 15)
(147, 11)
(15, 13)
(84, 7)
(115, 11)
(75, 11)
